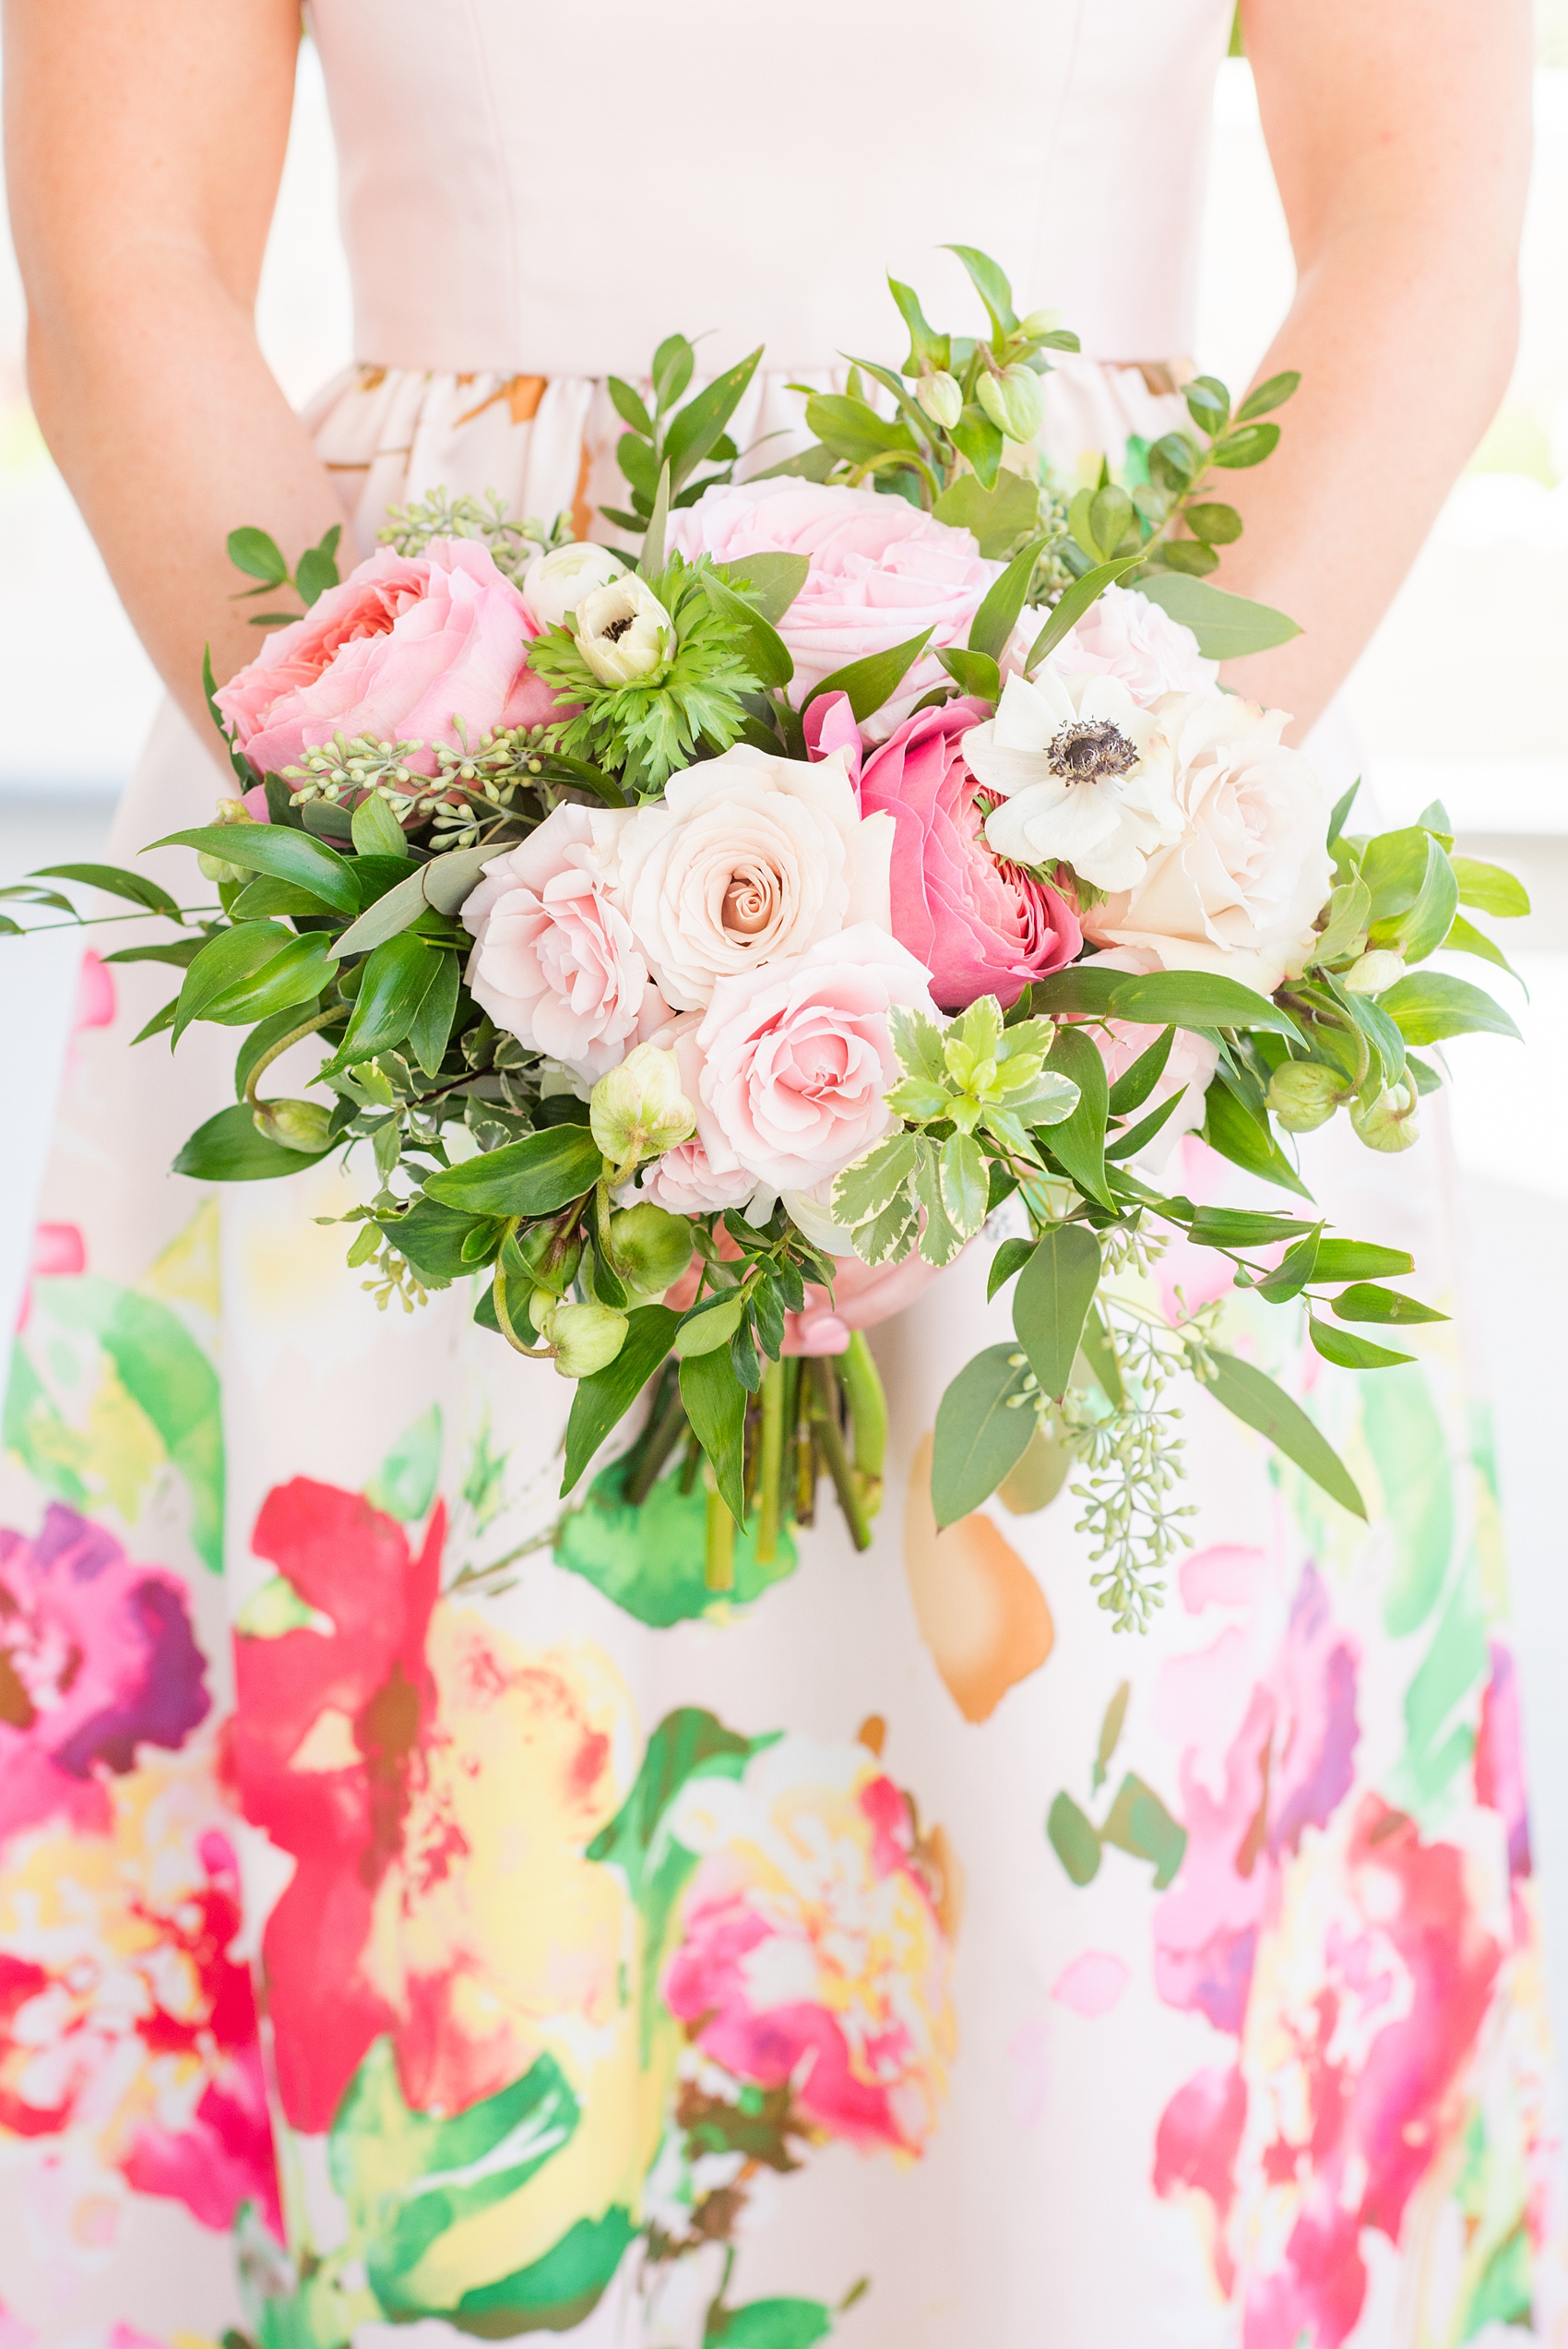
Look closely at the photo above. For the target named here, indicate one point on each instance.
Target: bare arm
(1399, 132)
(143, 140)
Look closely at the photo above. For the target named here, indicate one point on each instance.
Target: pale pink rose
(881, 572)
(1238, 889)
(1129, 636)
(554, 961)
(981, 926)
(1189, 1070)
(797, 1058)
(406, 646)
(683, 1182)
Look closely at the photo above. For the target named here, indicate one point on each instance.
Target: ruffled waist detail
(547, 445)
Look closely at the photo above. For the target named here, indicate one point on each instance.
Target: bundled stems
(828, 1429)
(771, 1466)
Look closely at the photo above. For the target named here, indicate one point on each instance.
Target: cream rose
(797, 1058)
(748, 857)
(1238, 890)
(1129, 636)
(554, 961)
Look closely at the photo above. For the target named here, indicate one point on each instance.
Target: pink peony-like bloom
(815, 1947)
(404, 648)
(1128, 636)
(981, 926)
(97, 1658)
(796, 1058)
(554, 961)
(881, 572)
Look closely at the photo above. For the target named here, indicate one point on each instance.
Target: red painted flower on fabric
(97, 1658)
(328, 1745)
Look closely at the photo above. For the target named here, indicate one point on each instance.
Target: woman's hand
(144, 142)
(1399, 132)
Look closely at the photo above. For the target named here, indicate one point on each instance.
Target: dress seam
(503, 172)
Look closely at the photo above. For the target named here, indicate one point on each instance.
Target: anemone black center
(1089, 750)
(617, 628)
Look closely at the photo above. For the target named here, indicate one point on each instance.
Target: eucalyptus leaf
(1227, 626)
(1489, 888)
(533, 1177)
(1134, 1085)
(398, 910)
(1369, 1301)
(998, 517)
(1430, 1004)
(1234, 1132)
(693, 431)
(287, 855)
(116, 882)
(1077, 1144)
(759, 643)
(1199, 1000)
(770, 581)
(450, 880)
(972, 673)
(376, 830)
(396, 980)
(874, 680)
(1253, 1397)
(1051, 1302)
(1359, 1261)
(1004, 598)
(1350, 1353)
(1070, 610)
(984, 1425)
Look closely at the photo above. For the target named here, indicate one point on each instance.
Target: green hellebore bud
(638, 1110)
(1304, 1093)
(941, 397)
(1373, 973)
(586, 1338)
(1013, 401)
(1037, 323)
(217, 869)
(551, 1259)
(298, 1124)
(651, 1246)
(1390, 1123)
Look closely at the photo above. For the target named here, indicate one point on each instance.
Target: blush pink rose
(554, 961)
(981, 926)
(796, 1058)
(402, 650)
(881, 572)
(1130, 637)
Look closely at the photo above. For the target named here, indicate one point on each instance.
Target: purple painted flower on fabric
(97, 1657)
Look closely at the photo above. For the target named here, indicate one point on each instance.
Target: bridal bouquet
(708, 942)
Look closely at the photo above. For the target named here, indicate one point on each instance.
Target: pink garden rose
(880, 571)
(1126, 634)
(402, 650)
(796, 1058)
(981, 926)
(554, 961)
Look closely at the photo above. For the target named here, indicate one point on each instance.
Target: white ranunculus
(746, 858)
(1083, 772)
(553, 585)
(1238, 891)
(623, 630)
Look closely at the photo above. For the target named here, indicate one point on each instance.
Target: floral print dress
(420, 1925)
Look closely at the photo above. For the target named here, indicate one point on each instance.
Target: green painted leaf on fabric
(688, 1744)
(1439, 1732)
(1138, 1822)
(167, 1377)
(1405, 1437)
(650, 1560)
(557, 2293)
(1075, 1839)
(404, 1486)
(53, 1453)
(410, 2178)
(770, 2324)
(1110, 1729)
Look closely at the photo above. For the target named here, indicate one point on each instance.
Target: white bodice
(528, 185)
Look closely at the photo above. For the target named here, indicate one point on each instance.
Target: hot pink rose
(554, 961)
(406, 646)
(797, 1058)
(880, 571)
(979, 925)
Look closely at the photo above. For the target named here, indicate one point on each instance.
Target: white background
(1462, 695)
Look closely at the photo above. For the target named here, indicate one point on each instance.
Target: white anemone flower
(623, 630)
(1083, 773)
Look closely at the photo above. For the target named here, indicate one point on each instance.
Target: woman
(894, 1953)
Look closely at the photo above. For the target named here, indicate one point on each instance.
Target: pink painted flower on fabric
(1125, 634)
(797, 1058)
(814, 1947)
(403, 650)
(881, 572)
(981, 926)
(58, 1249)
(554, 962)
(97, 1659)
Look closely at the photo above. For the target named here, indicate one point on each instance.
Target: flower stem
(718, 1560)
(772, 1472)
(273, 1052)
(659, 1442)
(868, 1419)
(826, 1392)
